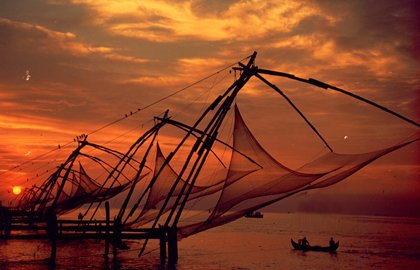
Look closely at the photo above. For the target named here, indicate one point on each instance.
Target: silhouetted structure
(253, 178)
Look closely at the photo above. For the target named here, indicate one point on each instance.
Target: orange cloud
(162, 21)
(185, 68)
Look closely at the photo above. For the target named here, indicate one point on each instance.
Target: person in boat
(332, 242)
(303, 242)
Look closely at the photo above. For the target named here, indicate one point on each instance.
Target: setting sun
(16, 190)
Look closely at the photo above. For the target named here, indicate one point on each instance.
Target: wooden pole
(107, 229)
(52, 232)
(2, 217)
(328, 86)
(162, 245)
(116, 237)
(172, 246)
(214, 122)
(296, 109)
(136, 179)
(53, 250)
(206, 142)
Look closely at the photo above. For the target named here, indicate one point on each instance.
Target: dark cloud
(204, 7)
(369, 24)
(59, 16)
(311, 25)
(142, 17)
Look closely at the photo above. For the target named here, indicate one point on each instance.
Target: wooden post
(172, 246)
(53, 250)
(116, 237)
(52, 232)
(7, 221)
(107, 229)
(162, 244)
(2, 219)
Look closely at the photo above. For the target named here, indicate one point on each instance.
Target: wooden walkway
(23, 225)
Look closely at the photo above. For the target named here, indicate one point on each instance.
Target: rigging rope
(328, 86)
(127, 115)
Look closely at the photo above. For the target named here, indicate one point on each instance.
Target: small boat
(254, 215)
(331, 249)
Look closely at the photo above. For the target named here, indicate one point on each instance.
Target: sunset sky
(70, 67)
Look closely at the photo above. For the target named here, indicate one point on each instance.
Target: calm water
(365, 243)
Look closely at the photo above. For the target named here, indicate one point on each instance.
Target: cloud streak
(162, 21)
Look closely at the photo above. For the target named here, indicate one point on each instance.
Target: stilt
(116, 237)
(172, 246)
(107, 229)
(115, 262)
(52, 232)
(5, 221)
(162, 245)
(53, 251)
(2, 220)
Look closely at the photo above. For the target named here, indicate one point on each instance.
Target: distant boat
(331, 249)
(254, 215)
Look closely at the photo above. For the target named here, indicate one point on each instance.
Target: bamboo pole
(172, 246)
(52, 233)
(162, 245)
(107, 229)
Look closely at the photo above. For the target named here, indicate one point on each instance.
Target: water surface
(366, 242)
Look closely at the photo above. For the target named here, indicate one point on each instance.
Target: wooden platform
(15, 224)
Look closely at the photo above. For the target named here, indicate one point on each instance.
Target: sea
(366, 242)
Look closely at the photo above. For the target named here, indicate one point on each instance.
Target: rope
(127, 115)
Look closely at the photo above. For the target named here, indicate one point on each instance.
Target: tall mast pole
(244, 77)
(331, 87)
(208, 143)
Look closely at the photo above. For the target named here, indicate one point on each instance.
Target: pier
(18, 224)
